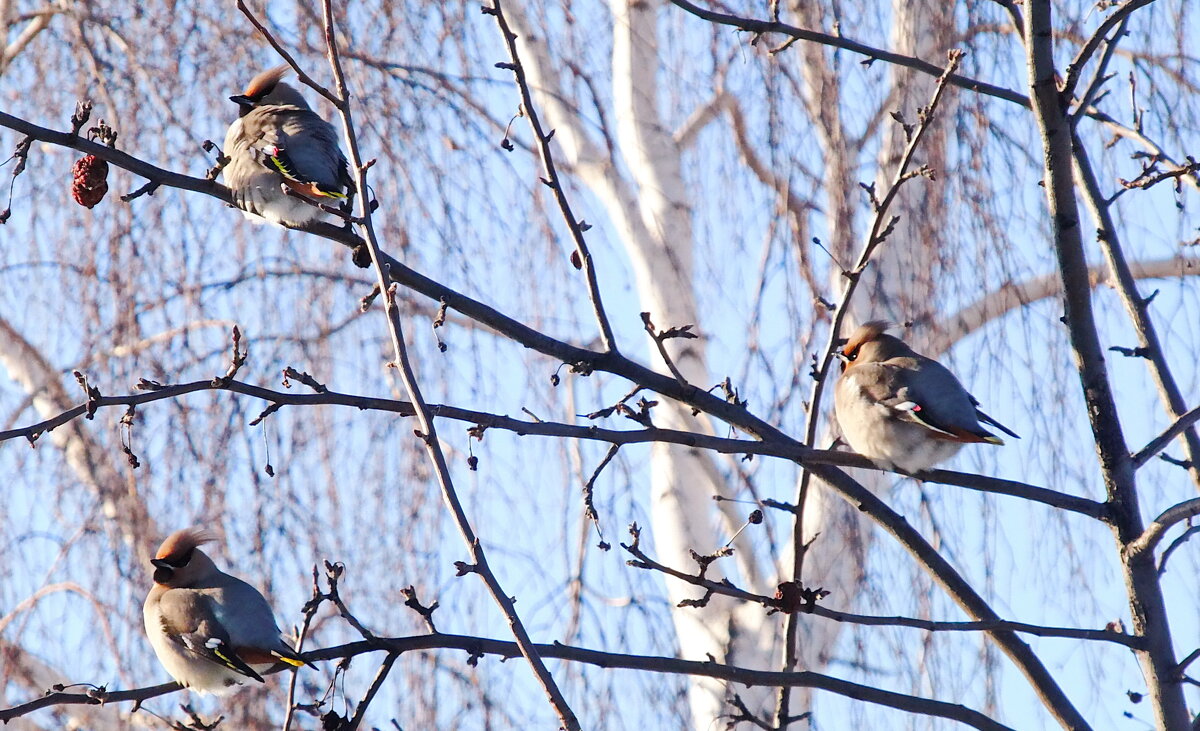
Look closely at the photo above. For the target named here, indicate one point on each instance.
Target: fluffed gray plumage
(278, 140)
(211, 631)
(902, 410)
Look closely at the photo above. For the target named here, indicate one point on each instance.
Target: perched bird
(211, 631)
(279, 140)
(902, 410)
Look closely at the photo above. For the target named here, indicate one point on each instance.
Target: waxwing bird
(902, 410)
(211, 631)
(278, 140)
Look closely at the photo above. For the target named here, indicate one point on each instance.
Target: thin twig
(376, 684)
(875, 237)
(428, 432)
(1100, 77)
(283, 53)
(309, 611)
(552, 178)
(1179, 540)
(1119, 17)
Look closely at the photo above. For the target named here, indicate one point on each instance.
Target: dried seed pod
(90, 180)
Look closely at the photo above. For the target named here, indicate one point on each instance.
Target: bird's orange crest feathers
(262, 84)
(864, 334)
(181, 541)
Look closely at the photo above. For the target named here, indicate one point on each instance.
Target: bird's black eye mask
(245, 103)
(164, 568)
(842, 354)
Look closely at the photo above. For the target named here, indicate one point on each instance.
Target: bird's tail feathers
(292, 658)
(992, 422)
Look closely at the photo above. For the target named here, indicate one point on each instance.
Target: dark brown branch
(785, 449)
(1144, 592)
(1160, 442)
(1137, 308)
(725, 588)
(1118, 17)
(838, 41)
(648, 663)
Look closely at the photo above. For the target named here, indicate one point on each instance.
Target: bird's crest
(265, 82)
(181, 543)
(864, 334)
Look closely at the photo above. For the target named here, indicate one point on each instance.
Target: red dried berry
(90, 180)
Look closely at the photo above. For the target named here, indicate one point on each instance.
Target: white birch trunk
(652, 215)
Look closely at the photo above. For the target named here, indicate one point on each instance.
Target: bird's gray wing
(189, 620)
(930, 395)
(300, 146)
(250, 622)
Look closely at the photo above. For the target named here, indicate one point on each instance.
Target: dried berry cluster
(89, 180)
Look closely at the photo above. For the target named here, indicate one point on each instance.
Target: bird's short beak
(242, 100)
(841, 356)
(160, 563)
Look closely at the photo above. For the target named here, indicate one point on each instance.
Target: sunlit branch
(1154, 532)
(1160, 442)
(1144, 593)
(1011, 296)
(1117, 18)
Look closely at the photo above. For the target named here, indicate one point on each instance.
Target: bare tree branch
(1160, 442)
(1145, 594)
(553, 180)
(1117, 18)
(785, 449)
(428, 431)
(1158, 528)
(504, 649)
